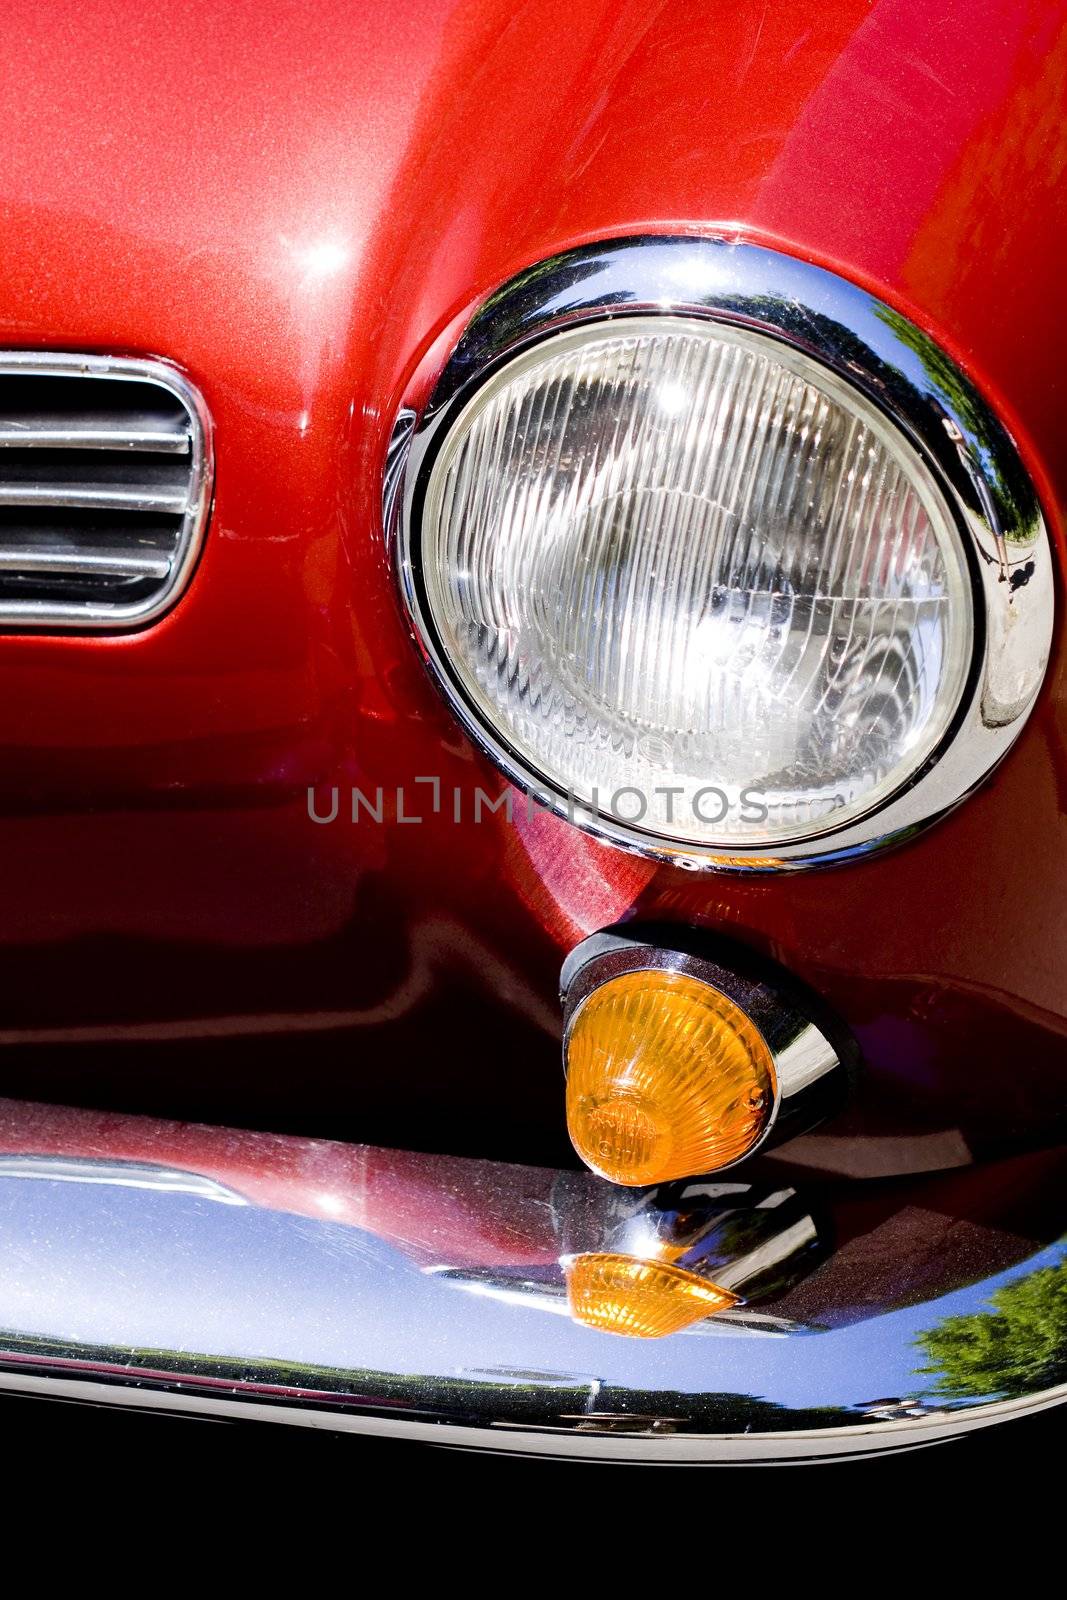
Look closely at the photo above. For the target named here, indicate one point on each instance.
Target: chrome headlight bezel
(891, 362)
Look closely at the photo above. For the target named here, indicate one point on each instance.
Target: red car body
(295, 209)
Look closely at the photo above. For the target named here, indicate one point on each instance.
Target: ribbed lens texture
(665, 1077)
(639, 1299)
(664, 554)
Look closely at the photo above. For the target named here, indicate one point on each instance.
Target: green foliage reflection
(1018, 1347)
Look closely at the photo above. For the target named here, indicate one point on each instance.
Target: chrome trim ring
(193, 509)
(879, 352)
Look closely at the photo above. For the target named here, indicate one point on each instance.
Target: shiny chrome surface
(876, 349)
(105, 486)
(811, 1071)
(123, 563)
(92, 496)
(89, 431)
(173, 1266)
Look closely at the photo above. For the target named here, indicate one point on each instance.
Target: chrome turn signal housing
(678, 1063)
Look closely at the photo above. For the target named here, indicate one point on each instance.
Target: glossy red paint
(293, 206)
(426, 1205)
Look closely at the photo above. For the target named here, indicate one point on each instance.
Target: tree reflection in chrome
(1015, 1349)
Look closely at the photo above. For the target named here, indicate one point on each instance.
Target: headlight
(689, 575)
(719, 588)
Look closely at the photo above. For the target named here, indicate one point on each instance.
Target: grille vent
(105, 484)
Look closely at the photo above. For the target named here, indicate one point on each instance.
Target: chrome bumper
(196, 1269)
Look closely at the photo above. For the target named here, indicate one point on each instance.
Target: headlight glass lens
(687, 575)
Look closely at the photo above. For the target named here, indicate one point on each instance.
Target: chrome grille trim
(117, 562)
(105, 487)
(88, 432)
(89, 496)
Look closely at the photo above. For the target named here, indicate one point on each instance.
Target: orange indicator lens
(666, 1077)
(640, 1299)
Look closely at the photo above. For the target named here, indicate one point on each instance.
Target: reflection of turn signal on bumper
(641, 1299)
(660, 1260)
(678, 1064)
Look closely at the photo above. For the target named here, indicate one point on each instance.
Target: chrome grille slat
(92, 497)
(105, 478)
(118, 563)
(160, 435)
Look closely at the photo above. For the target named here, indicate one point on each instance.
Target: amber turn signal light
(640, 1299)
(666, 1076)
